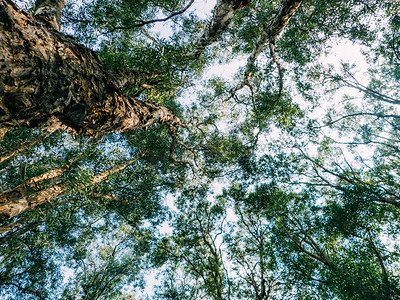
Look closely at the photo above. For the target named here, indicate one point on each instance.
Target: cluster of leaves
(308, 209)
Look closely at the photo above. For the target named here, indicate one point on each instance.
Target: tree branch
(126, 78)
(143, 23)
(47, 131)
(17, 200)
(222, 16)
(269, 35)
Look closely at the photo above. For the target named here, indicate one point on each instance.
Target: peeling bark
(49, 12)
(222, 16)
(17, 200)
(3, 132)
(126, 78)
(45, 74)
(268, 37)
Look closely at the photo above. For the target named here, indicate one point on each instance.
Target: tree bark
(49, 12)
(18, 200)
(222, 16)
(45, 74)
(268, 37)
(126, 78)
(271, 31)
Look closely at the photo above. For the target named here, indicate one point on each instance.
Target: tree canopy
(132, 167)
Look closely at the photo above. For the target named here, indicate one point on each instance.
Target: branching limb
(301, 247)
(143, 23)
(281, 70)
(269, 35)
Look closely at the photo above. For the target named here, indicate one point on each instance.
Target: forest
(193, 149)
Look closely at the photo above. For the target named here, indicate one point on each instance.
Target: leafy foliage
(279, 187)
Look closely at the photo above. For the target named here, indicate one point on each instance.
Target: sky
(341, 51)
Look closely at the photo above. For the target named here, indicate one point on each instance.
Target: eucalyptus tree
(195, 265)
(40, 245)
(311, 249)
(110, 71)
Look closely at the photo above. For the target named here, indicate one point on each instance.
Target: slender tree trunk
(49, 12)
(272, 30)
(45, 74)
(45, 133)
(268, 37)
(222, 16)
(17, 200)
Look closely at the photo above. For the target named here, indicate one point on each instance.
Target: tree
(45, 79)
(99, 126)
(194, 249)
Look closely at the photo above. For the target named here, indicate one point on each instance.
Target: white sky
(342, 51)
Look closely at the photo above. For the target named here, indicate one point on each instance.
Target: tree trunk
(17, 200)
(45, 74)
(222, 16)
(271, 31)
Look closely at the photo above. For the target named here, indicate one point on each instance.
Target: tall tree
(47, 75)
(313, 214)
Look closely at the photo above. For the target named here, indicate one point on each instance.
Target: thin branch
(357, 85)
(143, 23)
(304, 250)
(175, 140)
(47, 131)
(378, 115)
(27, 290)
(281, 70)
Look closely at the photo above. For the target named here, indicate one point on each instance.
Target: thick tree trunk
(45, 74)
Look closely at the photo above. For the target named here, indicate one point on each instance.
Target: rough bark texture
(126, 78)
(49, 12)
(45, 74)
(15, 201)
(222, 16)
